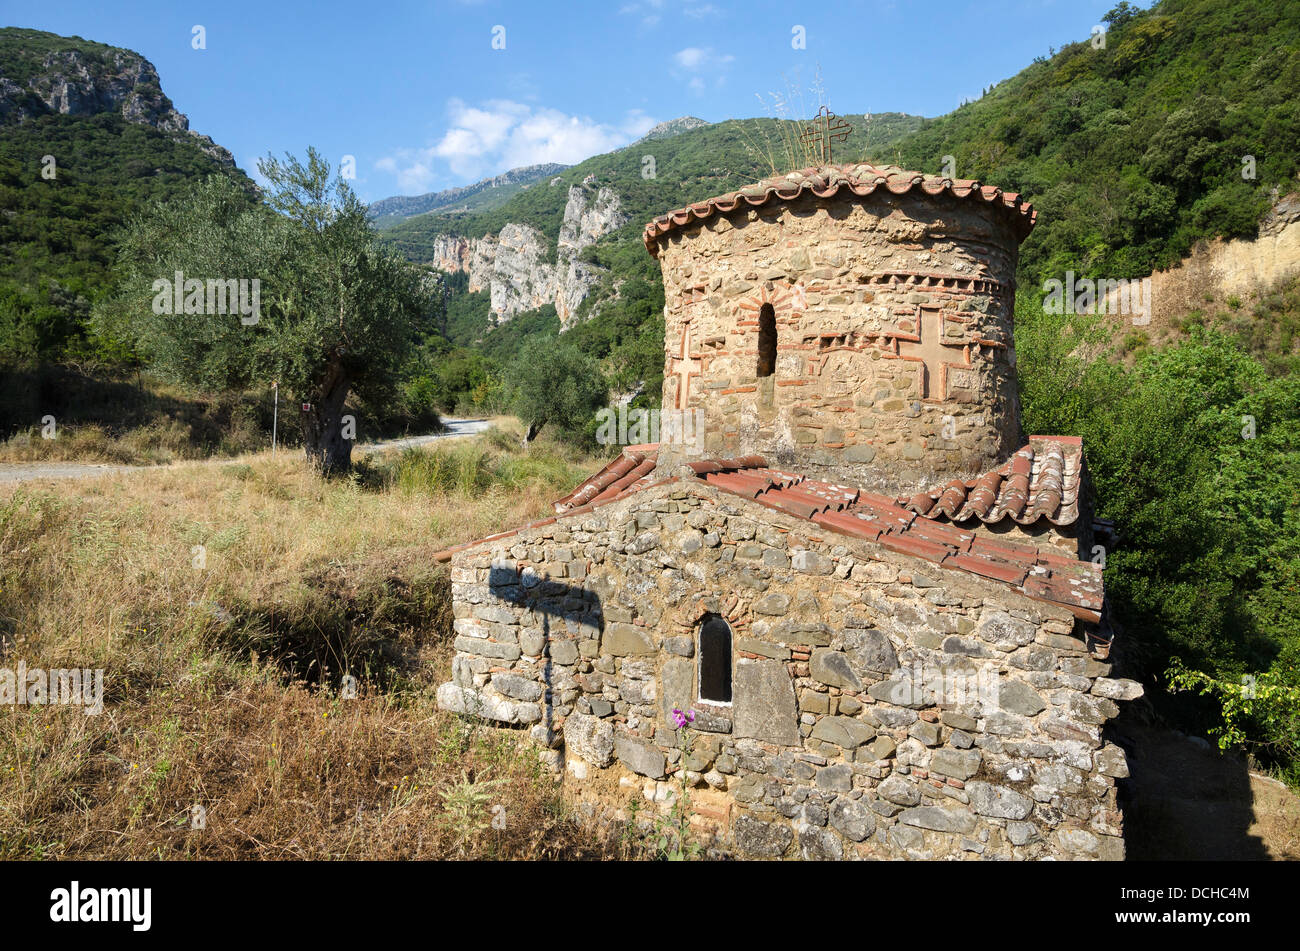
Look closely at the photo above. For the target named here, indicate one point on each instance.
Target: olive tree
(222, 290)
(553, 382)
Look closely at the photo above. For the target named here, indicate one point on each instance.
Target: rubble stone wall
(882, 706)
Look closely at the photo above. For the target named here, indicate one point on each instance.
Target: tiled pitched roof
(1041, 480)
(825, 181)
(1041, 575)
(631, 471)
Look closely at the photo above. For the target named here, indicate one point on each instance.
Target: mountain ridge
(388, 211)
(672, 127)
(46, 74)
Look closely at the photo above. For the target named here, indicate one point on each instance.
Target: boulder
(641, 757)
(590, 737)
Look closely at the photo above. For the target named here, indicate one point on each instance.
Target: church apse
(864, 338)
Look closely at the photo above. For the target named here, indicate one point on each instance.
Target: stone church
(874, 593)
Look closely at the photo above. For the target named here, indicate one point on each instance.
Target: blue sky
(419, 96)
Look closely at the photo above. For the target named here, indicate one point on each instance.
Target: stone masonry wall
(882, 707)
(895, 354)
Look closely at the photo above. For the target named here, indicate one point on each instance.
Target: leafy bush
(1195, 452)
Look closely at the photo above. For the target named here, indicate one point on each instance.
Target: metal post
(275, 413)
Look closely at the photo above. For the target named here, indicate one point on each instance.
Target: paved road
(455, 427)
(27, 471)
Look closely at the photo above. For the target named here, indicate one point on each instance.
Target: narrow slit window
(766, 341)
(715, 660)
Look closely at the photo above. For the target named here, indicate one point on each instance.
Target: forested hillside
(1133, 152)
(68, 181)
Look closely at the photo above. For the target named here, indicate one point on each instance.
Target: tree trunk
(322, 426)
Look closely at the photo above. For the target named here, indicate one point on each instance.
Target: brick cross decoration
(818, 134)
(933, 352)
(687, 367)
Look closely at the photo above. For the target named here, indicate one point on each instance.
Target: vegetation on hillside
(453, 202)
(57, 236)
(1195, 453)
(1133, 152)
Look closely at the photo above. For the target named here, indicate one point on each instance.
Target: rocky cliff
(44, 74)
(514, 265)
(1218, 270)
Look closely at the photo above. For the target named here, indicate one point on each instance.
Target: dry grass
(224, 602)
(139, 421)
(160, 442)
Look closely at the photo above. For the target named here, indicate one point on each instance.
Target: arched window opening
(715, 660)
(766, 341)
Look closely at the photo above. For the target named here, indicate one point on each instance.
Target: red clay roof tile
(869, 529)
(1031, 479)
(614, 474)
(1042, 480)
(997, 570)
(826, 181)
(908, 545)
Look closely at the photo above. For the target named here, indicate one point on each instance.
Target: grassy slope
(210, 670)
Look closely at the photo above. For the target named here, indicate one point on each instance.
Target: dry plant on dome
(794, 148)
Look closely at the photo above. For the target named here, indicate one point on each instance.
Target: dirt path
(29, 471)
(26, 471)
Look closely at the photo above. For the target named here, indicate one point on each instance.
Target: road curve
(31, 471)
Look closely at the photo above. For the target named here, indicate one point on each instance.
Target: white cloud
(696, 65)
(648, 11)
(501, 134)
(691, 58)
